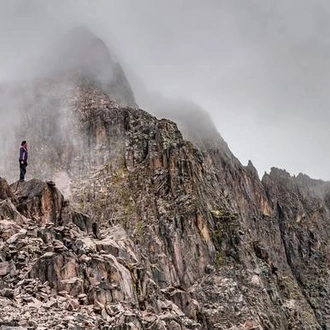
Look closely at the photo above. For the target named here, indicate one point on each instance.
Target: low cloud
(260, 68)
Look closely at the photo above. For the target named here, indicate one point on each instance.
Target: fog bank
(260, 68)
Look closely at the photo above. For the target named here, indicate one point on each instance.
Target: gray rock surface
(55, 275)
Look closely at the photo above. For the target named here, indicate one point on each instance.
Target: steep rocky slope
(59, 271)
(194, 211)
(160, 232)
(228, 250)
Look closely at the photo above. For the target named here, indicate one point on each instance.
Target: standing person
(23, 156)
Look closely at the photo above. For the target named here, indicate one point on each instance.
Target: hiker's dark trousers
(22, 171)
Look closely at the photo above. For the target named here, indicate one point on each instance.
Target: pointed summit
(81, 53)
(83, 50)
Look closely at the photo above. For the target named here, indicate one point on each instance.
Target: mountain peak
(82, 49)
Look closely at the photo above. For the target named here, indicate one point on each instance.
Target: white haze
(260, 68)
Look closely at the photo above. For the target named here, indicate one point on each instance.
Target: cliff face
(178, 235)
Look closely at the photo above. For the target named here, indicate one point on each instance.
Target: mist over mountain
(260, 69)
(37, 108)
(160, 225)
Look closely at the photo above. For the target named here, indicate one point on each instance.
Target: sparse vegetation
(219, 260)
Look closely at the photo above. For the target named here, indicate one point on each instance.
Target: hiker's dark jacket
(23, 155)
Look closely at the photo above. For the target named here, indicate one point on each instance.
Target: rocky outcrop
(194, 122)
(301, 208)
(5, 191)
(54, 274)
(194, 211)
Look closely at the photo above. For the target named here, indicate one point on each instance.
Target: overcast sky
(260, 67)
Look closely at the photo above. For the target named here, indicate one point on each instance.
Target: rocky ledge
(58, 270)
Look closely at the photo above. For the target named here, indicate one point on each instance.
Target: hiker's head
(24, 144)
